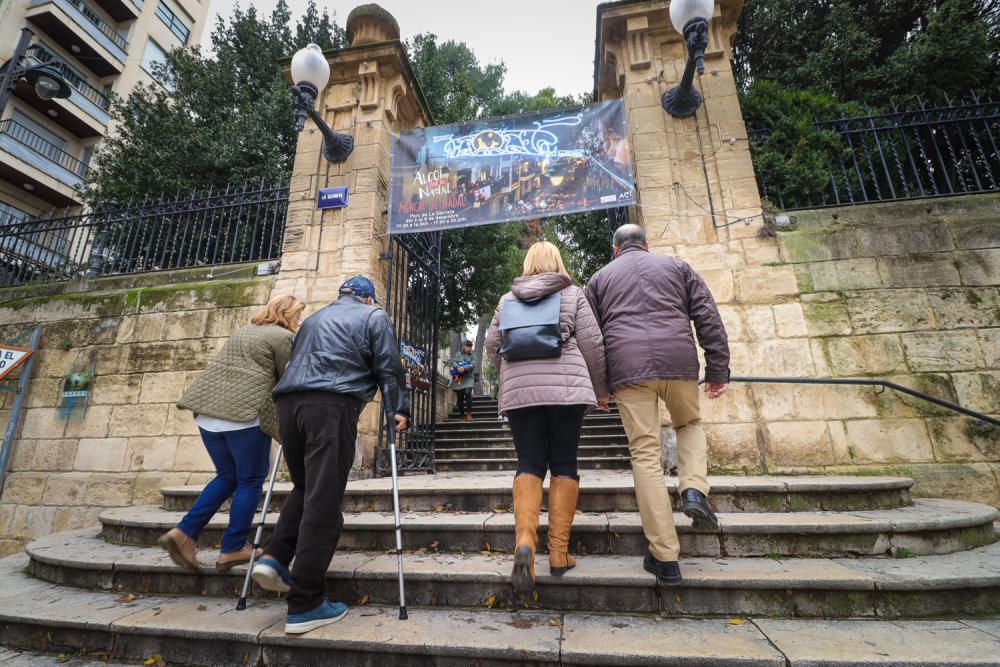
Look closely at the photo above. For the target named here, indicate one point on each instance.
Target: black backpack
(530, 329)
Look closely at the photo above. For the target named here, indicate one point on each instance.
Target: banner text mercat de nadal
(511, 168)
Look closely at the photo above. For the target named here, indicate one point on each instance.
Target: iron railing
(412, 298)
(42, 146)
(240, 224)
(72, 77)
(870, 382)
(904, 154)
(103, 26)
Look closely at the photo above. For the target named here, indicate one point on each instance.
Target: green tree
(212, 120)
(870, 51)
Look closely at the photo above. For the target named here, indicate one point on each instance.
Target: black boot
(666, 571)
(696, 507)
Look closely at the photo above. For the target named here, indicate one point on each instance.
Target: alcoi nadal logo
(487, 140)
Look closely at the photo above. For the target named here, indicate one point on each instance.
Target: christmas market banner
(522, 167)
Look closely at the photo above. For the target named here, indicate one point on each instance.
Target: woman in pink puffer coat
(545, 401)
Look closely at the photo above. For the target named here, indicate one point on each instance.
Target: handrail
(876, 382)
(103, 26)
(42, 146)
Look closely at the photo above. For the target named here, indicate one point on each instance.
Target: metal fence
(903, 154)
(239, 224)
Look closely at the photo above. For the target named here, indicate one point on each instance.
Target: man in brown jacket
(645, 304)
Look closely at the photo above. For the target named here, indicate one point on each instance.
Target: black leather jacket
(347, 347)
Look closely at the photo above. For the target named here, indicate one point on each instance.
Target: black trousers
(547, 437)
(464, 399)
(318, 431)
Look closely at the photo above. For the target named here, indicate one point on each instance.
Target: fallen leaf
(534, 595)
(489, 627)
(735, 621)
(364, 599)
(487, 546)
(677, 598)
(126, 598)
(491, 601)
(434, 544)
(62, 658)
(499, 510)
(202, 607)
(554, 621)
(434, 599)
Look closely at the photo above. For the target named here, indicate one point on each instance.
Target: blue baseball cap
(360, 287)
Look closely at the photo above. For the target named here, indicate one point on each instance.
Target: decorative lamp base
(680, 102)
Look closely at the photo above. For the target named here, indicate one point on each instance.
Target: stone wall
(903, 291)
(149, 341)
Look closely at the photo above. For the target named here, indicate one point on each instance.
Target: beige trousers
(641, 417)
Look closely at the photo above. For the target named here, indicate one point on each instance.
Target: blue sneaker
(325, 614)
(272, 575)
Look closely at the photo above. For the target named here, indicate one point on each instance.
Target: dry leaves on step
(555, 622)
(155, 660)
(490, 602)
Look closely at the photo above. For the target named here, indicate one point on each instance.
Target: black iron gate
(412, 293)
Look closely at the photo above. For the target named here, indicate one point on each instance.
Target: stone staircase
(486, 444)
(803, 568)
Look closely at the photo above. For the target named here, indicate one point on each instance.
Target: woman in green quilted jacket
(232, 406)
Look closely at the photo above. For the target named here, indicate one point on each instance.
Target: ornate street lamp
(690, 19)
(311, 72)
(44, 77)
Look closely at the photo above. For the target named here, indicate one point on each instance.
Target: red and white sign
(11, 357)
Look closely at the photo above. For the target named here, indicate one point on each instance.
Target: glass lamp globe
(47, 83)
(310, 65)
(682, 11)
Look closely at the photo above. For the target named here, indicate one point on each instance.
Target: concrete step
(510, 464)
(604, 491)
(502, 450)
(926, 527)
(475, 431)
(500, 439)
(919, 587)
(199, 630)
(593, 419)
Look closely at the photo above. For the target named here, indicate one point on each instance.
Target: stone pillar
(372, 93)
(698, 200)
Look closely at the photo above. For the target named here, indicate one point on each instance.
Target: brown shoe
(563, 493)
(527, 504)
(228, 561)
(468, 416)
(182, 549)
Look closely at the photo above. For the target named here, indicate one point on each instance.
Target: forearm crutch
(390, 425)
(242, 603)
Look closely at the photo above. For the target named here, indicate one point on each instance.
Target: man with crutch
(340, 356)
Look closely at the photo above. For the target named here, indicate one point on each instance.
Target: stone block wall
(150, 336)
(906, 291)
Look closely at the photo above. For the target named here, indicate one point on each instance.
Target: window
(152, 56)
(172, 20)
(11, 215)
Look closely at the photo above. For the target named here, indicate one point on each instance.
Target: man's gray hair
(629, 235)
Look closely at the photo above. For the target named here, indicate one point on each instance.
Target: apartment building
(103, 47)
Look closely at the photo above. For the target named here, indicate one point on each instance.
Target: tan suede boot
(563, 493)
(527, 504)
(182, 549)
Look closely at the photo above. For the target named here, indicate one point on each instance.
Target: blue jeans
(241, 462)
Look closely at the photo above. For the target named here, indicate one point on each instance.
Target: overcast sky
(542, 42)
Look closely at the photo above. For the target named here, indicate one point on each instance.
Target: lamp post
(690, 19)
(311, 73)
(44, 77)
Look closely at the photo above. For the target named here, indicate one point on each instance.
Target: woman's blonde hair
(281, 310)
(544, 257)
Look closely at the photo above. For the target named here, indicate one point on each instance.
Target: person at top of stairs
(462, 369)
(645, 304)
(341, 356)
(545, 400)
(235, 414)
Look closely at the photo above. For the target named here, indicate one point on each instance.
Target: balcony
(33, 162)
(121, 10)
(85, 113)
(77, 26)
